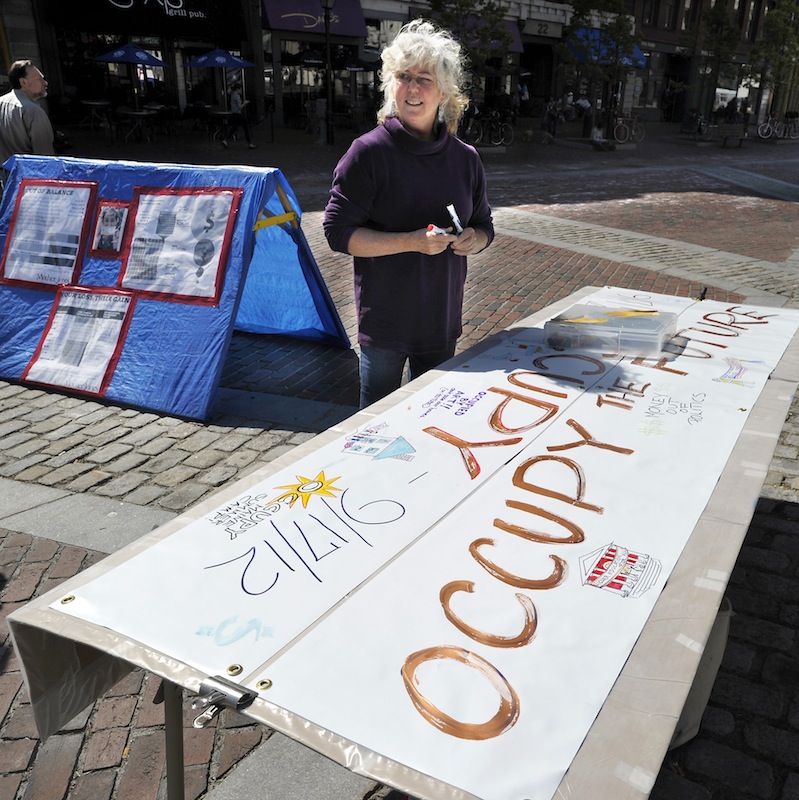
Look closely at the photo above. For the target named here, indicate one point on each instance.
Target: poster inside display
(48, 232)
(523, 511)
(82, 341)
(177, 242)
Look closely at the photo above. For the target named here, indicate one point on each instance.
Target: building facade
(287, 42)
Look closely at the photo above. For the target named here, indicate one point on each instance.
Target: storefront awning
(516, 45)
(592, 45)
(307, 16)
(216, 21)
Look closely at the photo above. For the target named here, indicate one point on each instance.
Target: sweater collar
(410, 143)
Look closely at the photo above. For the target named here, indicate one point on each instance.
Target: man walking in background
(24, 124)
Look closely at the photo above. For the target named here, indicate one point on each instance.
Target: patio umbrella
(219, 58)
(223, 59)
(132, 54)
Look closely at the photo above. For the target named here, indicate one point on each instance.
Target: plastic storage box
(610, 330)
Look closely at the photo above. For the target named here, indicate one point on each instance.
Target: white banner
(490, 550)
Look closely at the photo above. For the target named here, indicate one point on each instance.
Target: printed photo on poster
(177, 242)
(48, 231)
(83, 339)
(109, 228)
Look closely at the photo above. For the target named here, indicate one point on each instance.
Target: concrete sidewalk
(80, 479)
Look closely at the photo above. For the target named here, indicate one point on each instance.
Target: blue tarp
(174, 352)
(598, 48)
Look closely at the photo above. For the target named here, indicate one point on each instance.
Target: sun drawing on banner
(306, 488)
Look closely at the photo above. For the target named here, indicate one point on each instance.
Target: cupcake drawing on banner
(619, 570)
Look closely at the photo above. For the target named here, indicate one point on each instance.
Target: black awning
(217, 21)
(306, 16)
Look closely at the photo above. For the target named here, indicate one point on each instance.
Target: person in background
(550, 121)
(24, 125)
(238, 117)
(585, 112)
(389, 189)
(598, 140)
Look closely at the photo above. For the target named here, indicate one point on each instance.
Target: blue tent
(597, 47)
(170, 352)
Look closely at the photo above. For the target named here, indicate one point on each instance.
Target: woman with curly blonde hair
(422, 43)
(390, 205)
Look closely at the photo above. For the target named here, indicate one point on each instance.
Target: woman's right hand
(433, 243)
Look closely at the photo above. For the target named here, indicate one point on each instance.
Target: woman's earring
(441, 113)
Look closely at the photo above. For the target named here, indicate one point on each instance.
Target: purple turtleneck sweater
(390, 181)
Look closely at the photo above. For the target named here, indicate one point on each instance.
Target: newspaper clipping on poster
(109, 228)
(82, 340)
(179, 241)
(48, 229)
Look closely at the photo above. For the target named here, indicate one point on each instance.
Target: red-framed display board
(125, 280)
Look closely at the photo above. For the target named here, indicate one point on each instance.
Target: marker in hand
(436, 230)
(454, 217)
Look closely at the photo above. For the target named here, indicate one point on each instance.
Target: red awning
(307, 16)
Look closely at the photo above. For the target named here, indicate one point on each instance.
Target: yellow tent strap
(265, 222)
(290, 216)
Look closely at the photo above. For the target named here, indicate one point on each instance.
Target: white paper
(81, 340)
(47, 232)
(178, 241)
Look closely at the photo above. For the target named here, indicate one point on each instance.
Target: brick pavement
(570, 223)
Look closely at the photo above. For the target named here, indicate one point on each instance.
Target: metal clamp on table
(217, 693)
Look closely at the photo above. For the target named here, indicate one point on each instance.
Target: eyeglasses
(422, 81)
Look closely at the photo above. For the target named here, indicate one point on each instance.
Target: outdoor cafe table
(142, 128)
(98, 116)
(221, 121)
(658, 473)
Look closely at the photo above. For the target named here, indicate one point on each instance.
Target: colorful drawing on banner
(617, 569)
(109, 228)
(177, 245)
(736, 369)
(82, 340)
(48, 231)
(370, 442)
(246, 512)
(306, 488)
(230, 630)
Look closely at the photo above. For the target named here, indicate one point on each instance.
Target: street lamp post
(327, 7)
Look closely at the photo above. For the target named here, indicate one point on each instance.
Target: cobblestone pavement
(669, 215)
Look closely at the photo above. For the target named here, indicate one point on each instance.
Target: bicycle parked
(774, 127)
(697, 125)
(489, 130)
(627, 128)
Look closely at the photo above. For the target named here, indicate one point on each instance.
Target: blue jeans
(381, 370)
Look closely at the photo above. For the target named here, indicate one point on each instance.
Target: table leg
(173, 730)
